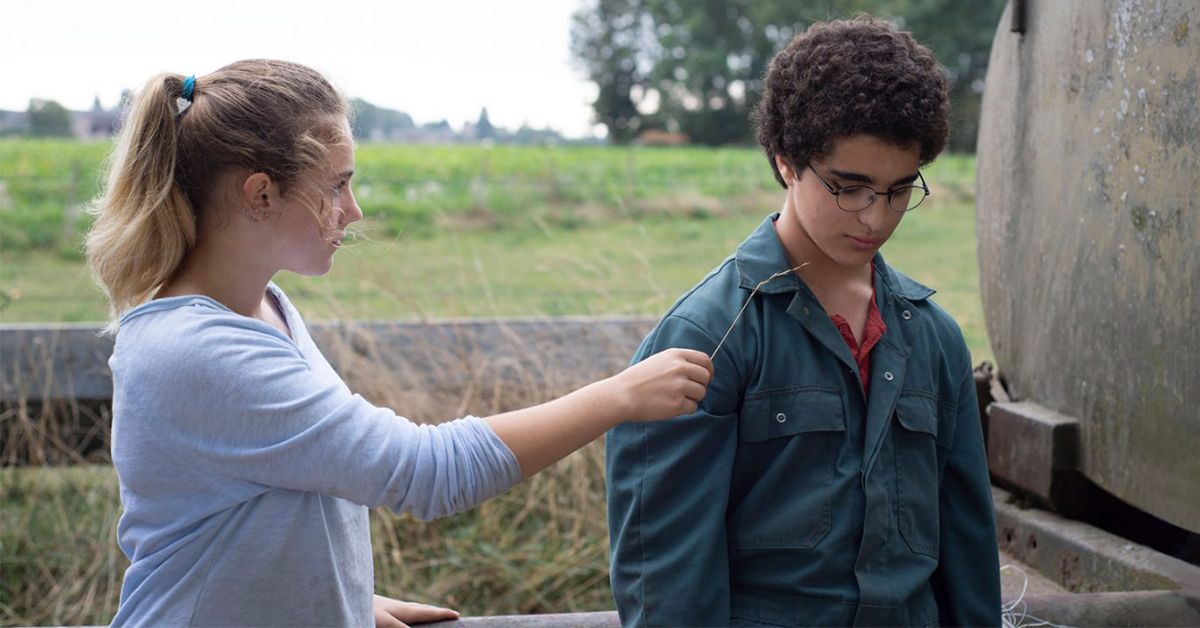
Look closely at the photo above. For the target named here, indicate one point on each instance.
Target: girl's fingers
(693, 365)
(421, 613)
(694, 356)
(669, 383)
(394, 613)
(698, 358)
(698, 374)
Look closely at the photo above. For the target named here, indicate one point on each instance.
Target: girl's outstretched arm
(667, 384)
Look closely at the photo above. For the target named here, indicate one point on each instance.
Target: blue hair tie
(189, 88)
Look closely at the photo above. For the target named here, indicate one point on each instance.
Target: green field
(422, 190)
(464, 231)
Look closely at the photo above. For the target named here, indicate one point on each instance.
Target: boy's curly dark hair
(850, 77)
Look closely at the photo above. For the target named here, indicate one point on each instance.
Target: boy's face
(844, 237)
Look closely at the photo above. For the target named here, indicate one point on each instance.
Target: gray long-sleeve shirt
(247, 466)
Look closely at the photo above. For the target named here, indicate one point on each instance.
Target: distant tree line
(370, 122)
(42, 118)
(48, 118)
(695, 66)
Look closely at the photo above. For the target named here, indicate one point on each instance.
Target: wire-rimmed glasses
(855, 198)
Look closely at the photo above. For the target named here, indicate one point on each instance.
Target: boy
(835, 472)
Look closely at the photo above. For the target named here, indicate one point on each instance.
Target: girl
(246, 465)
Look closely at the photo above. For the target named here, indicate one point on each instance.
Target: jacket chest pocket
(782, 490)
(918, 477)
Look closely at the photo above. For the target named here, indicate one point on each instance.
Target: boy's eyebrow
(345, 174)
(862, 178)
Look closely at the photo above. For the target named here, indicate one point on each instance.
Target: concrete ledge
(1128, 608)
(1032, 448)
(1114, 582)
(70, 361)
(54, 362)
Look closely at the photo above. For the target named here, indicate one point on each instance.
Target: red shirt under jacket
(872, 332)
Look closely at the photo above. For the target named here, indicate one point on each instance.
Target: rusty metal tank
(1089, 234)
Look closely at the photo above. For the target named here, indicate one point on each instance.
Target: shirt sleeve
(248, 405)
(966, 583)
(668, 486)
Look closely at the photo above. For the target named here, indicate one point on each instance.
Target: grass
(477, 231)
(624, 267)
(59, 562)
(417, 190)
(606, 262)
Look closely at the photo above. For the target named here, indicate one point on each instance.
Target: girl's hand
(664, 385)
(391, 613)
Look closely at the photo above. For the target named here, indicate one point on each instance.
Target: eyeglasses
(855, 198)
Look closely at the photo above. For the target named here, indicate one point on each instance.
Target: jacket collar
(762, 254)
(900, 284)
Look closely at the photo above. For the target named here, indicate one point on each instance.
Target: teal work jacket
(790, 498)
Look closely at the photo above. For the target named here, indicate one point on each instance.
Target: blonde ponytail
(144, 223)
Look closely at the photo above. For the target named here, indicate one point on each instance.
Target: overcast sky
(433, 59)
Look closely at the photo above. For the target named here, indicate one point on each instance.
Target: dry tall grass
(59, 560)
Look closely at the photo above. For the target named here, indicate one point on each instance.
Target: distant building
(430, 133)
(13, 123)
(95, 124)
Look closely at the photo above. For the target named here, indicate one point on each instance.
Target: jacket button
(781, 417)
(804, 311)
(906, 315)
(888, 376)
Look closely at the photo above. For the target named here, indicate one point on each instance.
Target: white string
(1015, 614)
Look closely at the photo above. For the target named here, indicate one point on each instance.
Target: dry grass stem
(747, 303)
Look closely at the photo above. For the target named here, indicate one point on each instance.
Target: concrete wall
(41, 361)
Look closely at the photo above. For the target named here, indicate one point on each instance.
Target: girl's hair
(274, 117)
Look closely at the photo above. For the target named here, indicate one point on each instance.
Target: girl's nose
(351, 212)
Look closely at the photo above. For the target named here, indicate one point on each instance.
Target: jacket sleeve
(668, 486)
(966, 583)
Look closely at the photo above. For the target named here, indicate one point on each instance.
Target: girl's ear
(256, 196)
(256, 193)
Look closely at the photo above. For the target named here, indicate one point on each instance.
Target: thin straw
(748, 299)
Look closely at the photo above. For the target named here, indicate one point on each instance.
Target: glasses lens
(908, 197)
(855, 198)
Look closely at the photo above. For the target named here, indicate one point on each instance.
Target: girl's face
(306, 240)
(848, 238)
